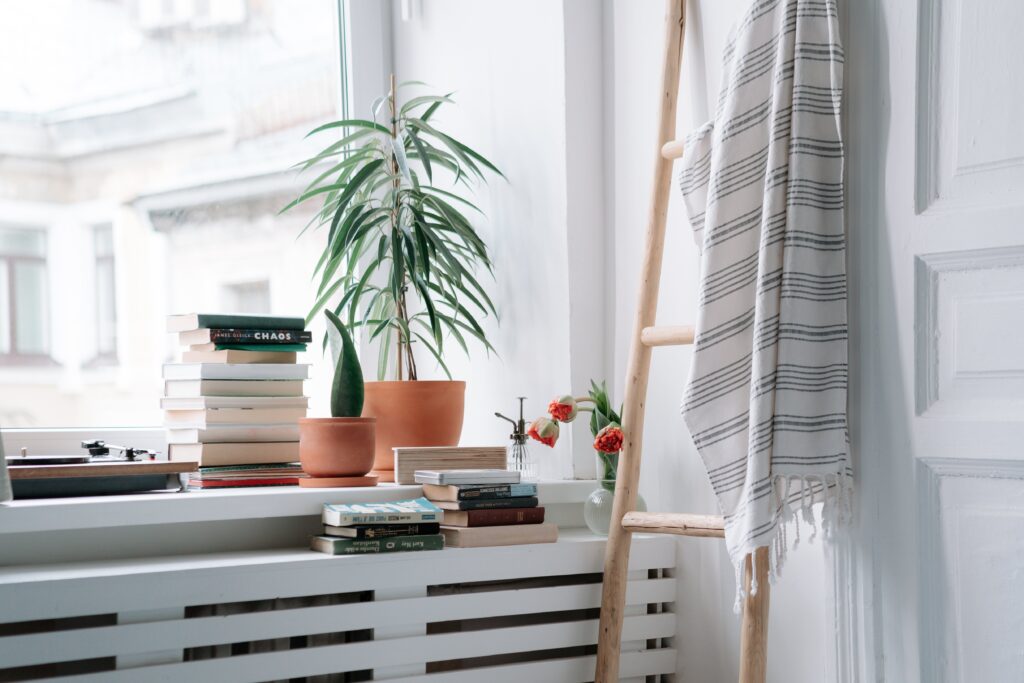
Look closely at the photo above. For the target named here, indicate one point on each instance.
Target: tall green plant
(401, 255)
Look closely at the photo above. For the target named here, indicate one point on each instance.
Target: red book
(499, 517)
(233, 483)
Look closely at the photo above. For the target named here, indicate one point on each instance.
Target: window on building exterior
(106, 292)
(147, 150)
(23, 297)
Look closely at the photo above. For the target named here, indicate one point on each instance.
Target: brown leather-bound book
(499, 517)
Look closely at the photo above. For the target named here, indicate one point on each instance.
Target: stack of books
(233, 404)
(362, 528)
(486, 508)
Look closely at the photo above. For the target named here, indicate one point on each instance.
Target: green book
(299, 348)
(333, 545)
(195, 321)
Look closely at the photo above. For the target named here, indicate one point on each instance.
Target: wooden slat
(680, 524)
(391, 652)
(671, 335)
(101, 469)
(81, 589)
(105, 641)
(638, 372)
(672, 150)
(566, 670)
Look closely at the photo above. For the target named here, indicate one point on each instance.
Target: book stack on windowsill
(233, 404)
(363, 528)
(486, 508)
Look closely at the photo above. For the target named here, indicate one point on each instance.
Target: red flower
(544, 430)
(563, 409)
(609, 439)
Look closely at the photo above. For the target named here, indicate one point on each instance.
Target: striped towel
(763, 187)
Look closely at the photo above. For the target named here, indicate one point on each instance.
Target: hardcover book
(219, 454)
(467, 477)
(454, 493)
(227, 346)
(227, 433)
(209, 402)
(207, 335)
(194, 321)
(382, 530)
(488, 503)
(242, 483)
(200, 419)
(333, 545)
(497, 517)
(487, 536)
(409, 459)
(233, 356)
(177, 388)
(399, 512)
(236, 371)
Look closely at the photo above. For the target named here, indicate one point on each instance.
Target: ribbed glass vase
(597, 510)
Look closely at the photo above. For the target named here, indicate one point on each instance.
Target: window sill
(162, 508)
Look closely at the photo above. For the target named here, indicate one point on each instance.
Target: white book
(206, 402)
(236, 356)
(253, 371)
(448, 477)
(223, 454)
(176, 388)
(244, 433)
(199, 419)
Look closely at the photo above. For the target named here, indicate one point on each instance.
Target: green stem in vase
(609, 467)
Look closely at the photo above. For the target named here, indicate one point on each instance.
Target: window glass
(152, 144)
(30, 307)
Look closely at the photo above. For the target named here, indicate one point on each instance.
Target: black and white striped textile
(763, 186)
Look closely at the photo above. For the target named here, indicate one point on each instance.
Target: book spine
(494, 503)
(249, 322)
(502, 517)
(241, 336)
(335, 519)
(392, 530)
(352, 546)
(497, 491)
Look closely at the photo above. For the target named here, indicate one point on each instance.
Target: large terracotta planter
(336, 446)
(413, 413)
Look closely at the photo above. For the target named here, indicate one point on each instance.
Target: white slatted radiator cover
(526, 613)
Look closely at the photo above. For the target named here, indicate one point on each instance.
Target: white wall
(506, 63)
(563, 96)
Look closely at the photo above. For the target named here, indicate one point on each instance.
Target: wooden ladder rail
(624, 520)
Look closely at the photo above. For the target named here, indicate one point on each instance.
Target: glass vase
(597, 510)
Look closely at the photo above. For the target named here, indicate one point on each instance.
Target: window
(23, 296)
(106, 293)
(147, 149)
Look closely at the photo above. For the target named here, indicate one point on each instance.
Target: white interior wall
(520, 71)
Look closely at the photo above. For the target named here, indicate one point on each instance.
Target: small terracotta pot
(413, 413)
(336, 446)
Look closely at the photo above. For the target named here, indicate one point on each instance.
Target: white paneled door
(936, 207)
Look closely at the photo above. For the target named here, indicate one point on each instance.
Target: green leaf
(347, 384)
(350, 123)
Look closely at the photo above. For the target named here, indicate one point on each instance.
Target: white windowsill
(93, 512)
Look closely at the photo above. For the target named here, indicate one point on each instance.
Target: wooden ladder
(625, 521)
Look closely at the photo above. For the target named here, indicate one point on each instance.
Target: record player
(103, 469)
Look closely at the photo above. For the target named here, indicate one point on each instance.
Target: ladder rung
(681, 524)
(672, 149)
(669, 335)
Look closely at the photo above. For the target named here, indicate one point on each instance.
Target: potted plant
(401, 259)
(339, 450)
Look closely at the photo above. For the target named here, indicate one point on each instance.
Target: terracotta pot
(336, 446)
(419, 413)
